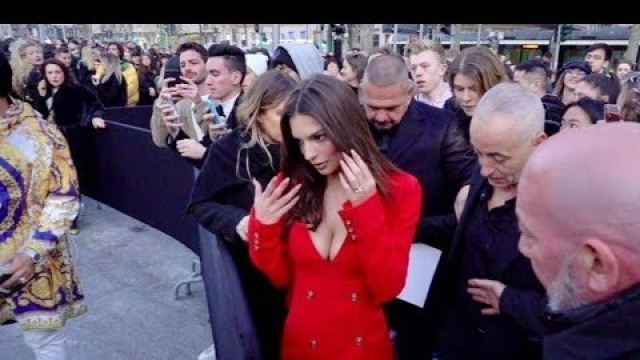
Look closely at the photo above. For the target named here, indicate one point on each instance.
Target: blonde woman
(111, 86)
(223, 195)
(87, 64)
(26, 62)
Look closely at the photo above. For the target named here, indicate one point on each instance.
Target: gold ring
(358, 189)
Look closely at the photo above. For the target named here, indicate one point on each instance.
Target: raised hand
(170, 118)
(169, 92)
(356, 179)
(272, 203)
(188, 90)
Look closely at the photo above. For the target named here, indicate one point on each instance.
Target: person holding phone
(177, 122)
(225, 70)
(334, 227)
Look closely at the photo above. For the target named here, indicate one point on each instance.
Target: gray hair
(519, 104)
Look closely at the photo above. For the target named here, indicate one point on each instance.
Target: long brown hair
(335, 106)
(479, 65)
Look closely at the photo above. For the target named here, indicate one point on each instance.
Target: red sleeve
(268, 252)
(385, 232)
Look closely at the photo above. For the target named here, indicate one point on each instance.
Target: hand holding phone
(175, 74)
(611, 113)
(216, 117)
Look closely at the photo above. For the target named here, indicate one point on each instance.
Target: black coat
(73, 107)
(428, 144)
(31, 86)
(84, 74)
(603, 331)
(221, 198)
(111, 92)
(147, 79)
(553, 111)
(517, 331)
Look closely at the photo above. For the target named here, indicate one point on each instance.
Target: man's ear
(236, 77)
(541, 137)
(601, 266)
(410, 89)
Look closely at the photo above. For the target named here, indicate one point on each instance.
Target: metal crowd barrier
(153, 185)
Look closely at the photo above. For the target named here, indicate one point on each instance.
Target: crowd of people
(318, 174)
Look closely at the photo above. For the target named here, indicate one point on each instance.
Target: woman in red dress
(334, 227)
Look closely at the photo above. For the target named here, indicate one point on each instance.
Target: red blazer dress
(335, 306)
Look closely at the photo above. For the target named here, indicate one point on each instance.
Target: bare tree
(352, 35)
(366, 37)
(632, 49)
(456, 36)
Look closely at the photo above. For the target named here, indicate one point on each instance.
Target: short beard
(564, 292)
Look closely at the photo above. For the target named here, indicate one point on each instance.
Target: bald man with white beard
(578, 206)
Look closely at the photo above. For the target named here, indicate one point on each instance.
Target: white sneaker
(208, 354)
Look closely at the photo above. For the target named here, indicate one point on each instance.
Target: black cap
(577, 64)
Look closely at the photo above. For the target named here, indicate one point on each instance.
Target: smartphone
(173, 73)
(611, 113)
(217, 118)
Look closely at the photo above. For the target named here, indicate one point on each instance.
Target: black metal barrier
(232, 327)
(131, 174)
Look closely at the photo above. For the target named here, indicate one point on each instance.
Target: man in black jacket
(426, 142)
(578, 215)
(495, 303)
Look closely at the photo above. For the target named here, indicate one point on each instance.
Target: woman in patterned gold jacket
(38, 201)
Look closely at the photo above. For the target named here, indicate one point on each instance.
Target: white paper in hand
(423, 261)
